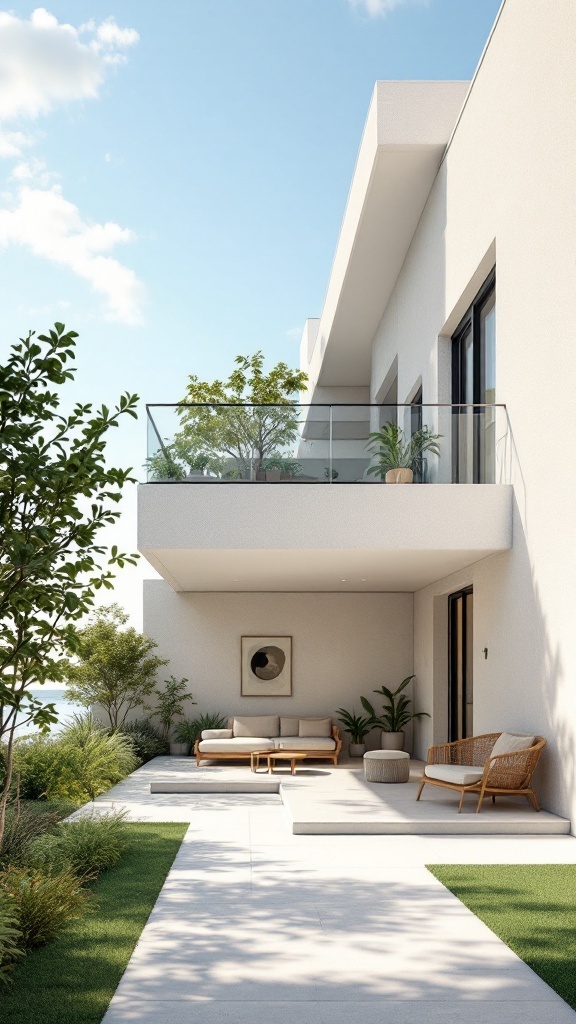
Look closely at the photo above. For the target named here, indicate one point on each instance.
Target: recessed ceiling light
(363, 580)
(342, 581)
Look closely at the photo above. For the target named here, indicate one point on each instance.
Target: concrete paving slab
(125, 1011)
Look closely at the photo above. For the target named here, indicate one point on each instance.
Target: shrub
(10, 935)
(190, 730)
(88, 845)
(147, 741)
(45, 768)
(101, 758)
(23, 827)
(44, 903)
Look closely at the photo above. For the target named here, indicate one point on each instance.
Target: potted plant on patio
(357, 726)
(395, 715)
(401, 458)
(170, 705)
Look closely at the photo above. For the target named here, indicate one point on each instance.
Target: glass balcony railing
(328, 444)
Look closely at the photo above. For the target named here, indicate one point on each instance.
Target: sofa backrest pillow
(257, 725)
(509, 742)
(289, 726)
(217, 734)
(321, 727)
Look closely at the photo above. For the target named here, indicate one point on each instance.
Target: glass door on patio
(474, 390)
(460, 670)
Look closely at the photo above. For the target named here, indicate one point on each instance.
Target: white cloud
(294, 333)
(33, 170)
(13, 144)
(44, 62)
(380, 8)
(47, 224)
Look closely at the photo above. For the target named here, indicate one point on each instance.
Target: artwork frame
(260, 659)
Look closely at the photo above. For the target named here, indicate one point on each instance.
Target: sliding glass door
(474, 390)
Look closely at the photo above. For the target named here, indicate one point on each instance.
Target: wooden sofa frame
(504, 774)
(316, 755)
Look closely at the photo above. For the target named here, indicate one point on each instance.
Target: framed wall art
(266, 666)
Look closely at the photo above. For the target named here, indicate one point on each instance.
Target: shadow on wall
(530, 672)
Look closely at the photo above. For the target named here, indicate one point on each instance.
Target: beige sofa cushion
(257, 725)
(289, 726)
(458, 774)
(240, 746)
(304, 743)
(217, 734)
(510, 742)
(315, 727)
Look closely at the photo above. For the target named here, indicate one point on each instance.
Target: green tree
(114, 666)
(56, 494)
(233, 427)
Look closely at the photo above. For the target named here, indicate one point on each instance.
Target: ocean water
(64, 708)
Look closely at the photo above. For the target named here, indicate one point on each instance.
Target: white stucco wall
(343, 645)
(505, 194)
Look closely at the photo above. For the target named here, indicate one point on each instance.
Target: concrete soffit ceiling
(408, 127)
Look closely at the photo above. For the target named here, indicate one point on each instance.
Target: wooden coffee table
(276, 755)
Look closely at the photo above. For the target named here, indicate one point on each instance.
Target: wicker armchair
(503, 775)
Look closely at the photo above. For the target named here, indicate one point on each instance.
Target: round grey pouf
(386, 766)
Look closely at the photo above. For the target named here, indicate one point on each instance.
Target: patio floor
(324, 799)
(256, 925)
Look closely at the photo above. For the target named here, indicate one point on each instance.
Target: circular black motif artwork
(268, 662)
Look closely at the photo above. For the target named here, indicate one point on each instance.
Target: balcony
(252, 509)
(325, 444)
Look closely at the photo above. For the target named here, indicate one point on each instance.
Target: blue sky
(174, 175)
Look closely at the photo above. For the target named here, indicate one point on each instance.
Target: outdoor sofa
(494, 764)
(317, 738)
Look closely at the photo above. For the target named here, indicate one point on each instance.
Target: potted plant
(170, 705)
(357, 727)
(395, 715)
(399, 458)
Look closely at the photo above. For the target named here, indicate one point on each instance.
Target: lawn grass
(72, 980)
(532, 907)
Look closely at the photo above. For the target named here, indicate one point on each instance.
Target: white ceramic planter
(392, 741)
(357, 749)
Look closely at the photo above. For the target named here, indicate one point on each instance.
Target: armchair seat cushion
(457, 774)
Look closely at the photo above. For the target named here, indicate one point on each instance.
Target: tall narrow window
(474, 390)
(416, 425)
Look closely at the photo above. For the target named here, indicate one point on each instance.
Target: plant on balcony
(395, 715)
(399, 458)
(234, 426)
(357, 726)
(283, 464)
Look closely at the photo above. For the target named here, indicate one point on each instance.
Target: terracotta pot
(399, 476)
(392, 741)
(357, 749)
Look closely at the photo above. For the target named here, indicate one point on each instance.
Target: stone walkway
(256, 924)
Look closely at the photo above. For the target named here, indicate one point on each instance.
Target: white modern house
(451, 305)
